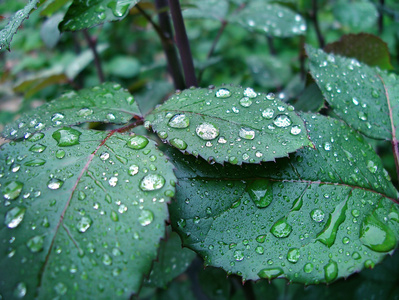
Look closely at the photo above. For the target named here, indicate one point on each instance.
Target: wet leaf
(229, 124)
(107, 103)
(14, 23)
(85, 14)
(82, 213)
(311, 99)
(271, 19)
(365, 97)
(317, 216)
(207, 9)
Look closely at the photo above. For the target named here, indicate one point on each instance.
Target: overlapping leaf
(16, 20)
(208, 9)
(82, 213)
(229, 124)
(88, 13)
(365, 97)
(319, 215)
(105, 103)
(271, 19)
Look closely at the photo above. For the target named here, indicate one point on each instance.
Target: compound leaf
(82, 213)
(107, 103)
(319, 215)
(229, 124)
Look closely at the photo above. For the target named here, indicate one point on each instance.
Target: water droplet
(270, 273)
(113, 181)
(259, 250)
(36, 137)
(355, 101)
(146, 217)
(223, 93)
(57, 117)
(179, 121)
(207, 131)
(308, 268)
(106, 259)
(12, 189)
(14, 216)
(375, 94)
(133, 170)
(84, 224)
(60, 288)
(261, 238)
(163, 134)
(81, 195)
(178, 143)
(137, 142)
(372, 167)
(247, 133)
(282, 121)
(54, 184)
(35, 244)
(281, 228)
(66, 137)
(238, 255)
(293, 255)
(60, 154)
(84, 112)
(104, 156)
(377, 235)
(369, 264)
(362, 116)
(261, 192)
(35, 162)
(270, 96)
(111, 117)
(317, 215)
(38, 148)
(233, 160)
(330, 271)
(118, 8)
(20, 290)
(152, 182)
(245, 102)
(295, 130)
(268, 113)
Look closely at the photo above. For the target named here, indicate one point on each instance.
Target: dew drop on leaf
(20, 290)
(83, 224)
(133, 170)
(270, 273)
(81, 195)
(308, 268)
(54, 184)
(113, 181)
(118, 8)
(268, 113)
(111, 117)
(60, 289)
(57, 117)
(146, 217)
(12, 189)
(250, 93)
(60, 154)
(106, 259)
(238, 255)
(66, 137)
(37, 162)
(38, 148)
(330, 271)
(270, 96)
(317, 215)
(281, 228)
(207, 131)
(14, 216)
(293, 255)
(152, 182)
(84, 112)
(36, 137)
(35, 244)
(223, 93)
(178, 143)
(104, 156)
(261, 192)
(259, 250)
(179, 121)
(282, 121)
(372, 167)
(247, 133)
(137, 142)
(245, 102)
(295, 130)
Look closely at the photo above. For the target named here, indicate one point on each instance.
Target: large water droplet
(282, 121)
(133, 170)
(60, 154)
(376, 235)
(35, 162)
(268, 113)
(179, 121)
(281, 228)
(245, 102)
(35, 244)
(372, 167)
(57, 117)
(54, 184)
(20, 290)
(84, 112)
(330, 271)
(207, 131)
(152, 182)
(38, 148)
(36, 137)
(308, 268)
(137, 142)
(84, 224)
(247, 133)
(250, 93)
(118, 8)
(146, 217)
(261, 192)
(66, 137)
(223, 93)
(317, 215)
(14, 216)
(238, 255)
(295, 130)
(270, 273)
(293, 255)
(178, 143)
(12, 189)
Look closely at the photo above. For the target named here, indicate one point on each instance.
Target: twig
(381, 17)
(182, 43)
(315, 20)
(92, 44)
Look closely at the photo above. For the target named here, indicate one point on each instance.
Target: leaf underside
(82, 213)
(84, 14)
(229, 124)
(316, 216)
(108, 103)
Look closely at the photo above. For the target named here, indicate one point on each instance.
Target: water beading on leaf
(16, 20)
(88, 13)
(319, 215)
(108, 103)
(82, 213)
(229, 124)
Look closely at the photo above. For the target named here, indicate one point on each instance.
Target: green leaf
(84, 14)
(229, 124)
(311, 99)
(172, 260)
(271, 19)
(319, 215)
(107, 103)
(208, 9)
(49, 30)
(14, 23)
(123, 66)
(83, 212)
(365, 97)
(366, 48)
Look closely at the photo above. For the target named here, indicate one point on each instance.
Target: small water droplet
(38, 148)
(249, 92)
(223, 93)
(104, 156)
(376, 235)
(113, 181)
(66, 137)
(54, 184)
(295, 130)
(293, 255)
(60, 154)
(14, 216)
(261, 192)
(106, 259)
(84, 224)
(270, 273)
(57, 117)
(375, 94)
(268, 113)
(308, 268)
(372, 167)
(60, 288)
(163, 134)
(317, 215)
(233, 160)
(259, 250)
(20, 290)
(12, 189)
(111, 117)
(118, 8)
(330, 271)
(238, 255)
(178, 143)
(282, 121)
(84, 112)
(137, 142)
(35, 162)
(133, 170)
(281, 228)
(146, 217)
(247, 133)
(152, 182)
(35, 244)
(207, 131)
(270, 96)
(355, 101)
(245, 102)
(179, 121)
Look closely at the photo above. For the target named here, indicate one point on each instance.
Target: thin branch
(92, 44)
(183, 44)
(381, 17)
(315, 20)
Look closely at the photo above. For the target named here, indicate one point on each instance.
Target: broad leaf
(82, 213)
(105, 103)
(365, 97)
(319, 215)
(14, 23)
(311, 99)
(84, 14)
(271, 19)
(208, 9)
(229, 124)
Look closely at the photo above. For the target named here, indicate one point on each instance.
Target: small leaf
(208, 9)
(85, 14)
(366, 48)
(328, 213)
(365, 97)
(123, 66)
(107, 103)
(311, 99)
(229, 124)
(49, 30)
(271, 19)
(15, 22)
(75, 222)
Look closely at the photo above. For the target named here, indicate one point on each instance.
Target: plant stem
(182, 43)
(313, 16)
(270, 43)
(92, 44)
(381, 17)
(165, 29)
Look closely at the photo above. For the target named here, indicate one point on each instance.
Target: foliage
(260, 172)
